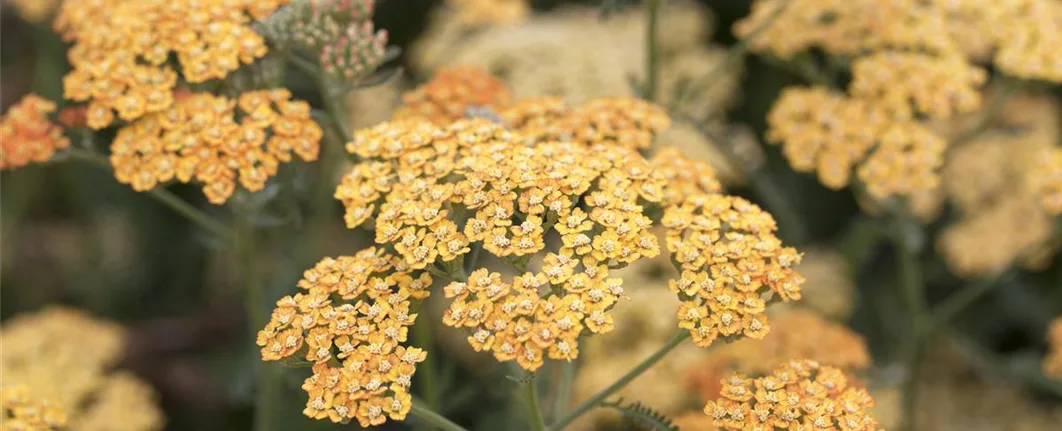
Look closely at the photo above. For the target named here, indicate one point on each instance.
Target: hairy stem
(160, 194)
(564, 389)
(912, 287)
(534, 411)
(427, 415)
(647, 363)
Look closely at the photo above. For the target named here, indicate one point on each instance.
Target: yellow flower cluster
(27, 135)
(492, 12)
(1046, 181)
(732, 265)
(831, 134)
(35, 11)
(798, 395)
(1029, 39)
(614, 121)
(20, 411)
(796, 334)
(121, 49)
(1053, 361)
(937, 87)
(350, 323)
(67, 357)
(201, 138)
(450, 94)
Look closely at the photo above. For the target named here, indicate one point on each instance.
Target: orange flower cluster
(361, 370)
(732, 264)
(27, 135)
(1046, 181)
(121, 49)
(200, 138)
(451, 92)
(831, 134)
(21, 411)
(797, 334)
(622, 121)
(798, 395)
(493, 12)
(1053, 361)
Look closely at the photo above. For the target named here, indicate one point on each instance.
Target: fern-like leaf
(643, 416)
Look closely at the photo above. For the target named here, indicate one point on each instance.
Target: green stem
(422, 412)
(735, 53)
(160, 194)
(652, 49)
(596, 400)
(534, 411)
(427, 373)
(913, 289)
(957, 302)
(564, 389)
(268, 378)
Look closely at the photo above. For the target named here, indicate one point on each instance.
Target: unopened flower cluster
(122, 48)
(798, 395)
(27, 135)
(1053, 361)
(216, 141)
(61, 361)
(340, 33)
(350, 321)
(451, 92)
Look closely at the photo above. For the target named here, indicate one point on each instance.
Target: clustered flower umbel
(122, 48)
(1046, 181)
(615, 121)
(350, 322)
(61, 361)
(451, 92)
(205, 138)
(1053, 360)
(19, 410)
(340, 33)
(798, 395)
(27, 135)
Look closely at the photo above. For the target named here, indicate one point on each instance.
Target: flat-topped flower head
(216, 141)
(122, 49)
(451, 92)
(904, 84)
(1045, 179)
(351, 320)
(731, 264)
(27, 135)
(617, 121)
(1029, 39)
(798, 395)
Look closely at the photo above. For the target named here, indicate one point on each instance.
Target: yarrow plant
(27, 134)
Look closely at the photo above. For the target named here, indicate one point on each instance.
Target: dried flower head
(122, 48)
(1053, 360)
(27, 135)
(490, 12)
(206, 139)
(21, 411)
(450, 94)
(67, 357)
(350, 321)
(1046, 181)
(798, 395)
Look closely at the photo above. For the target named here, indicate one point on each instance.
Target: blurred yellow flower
(27, 135)
(490, 12)
(68, 358)
(21, 411)
(1046, 180)
(451, 92)
(35, 11)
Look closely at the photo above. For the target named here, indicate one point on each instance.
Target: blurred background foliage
(72, 235)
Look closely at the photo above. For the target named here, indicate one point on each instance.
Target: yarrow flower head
(216, 141)
(1045, 179)
(490, 12)
(58, 373)
(122, 48)
(27, 135)
(20, 410)
(1053, 361)
(451, 92)
(798, 395)
(350, 321)
(613, 121)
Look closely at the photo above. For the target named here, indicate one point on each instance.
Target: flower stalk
(427, 415)
(912, 287)
(534, 411)
(652, 49)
